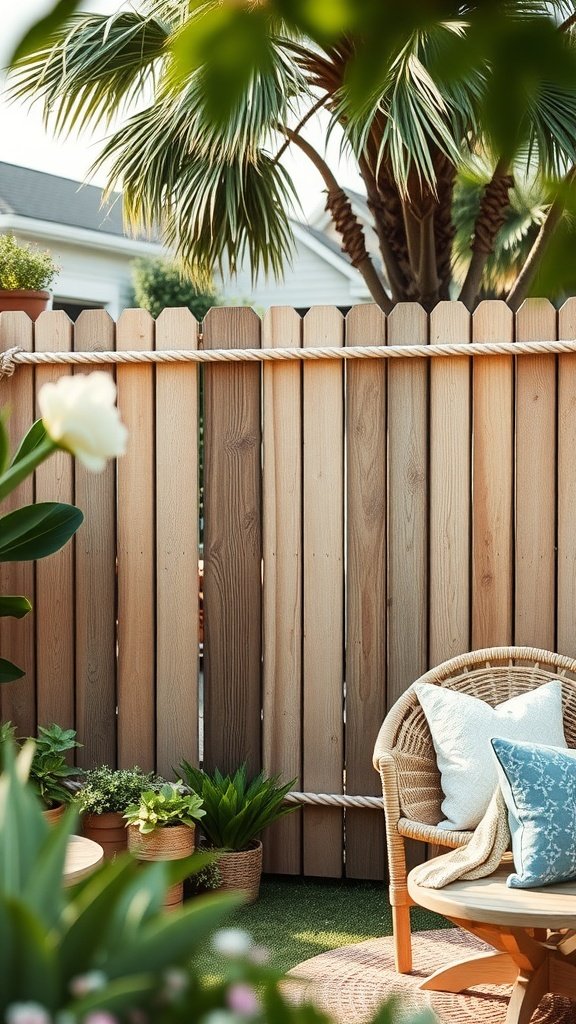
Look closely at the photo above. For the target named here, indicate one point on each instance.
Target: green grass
(299, 918)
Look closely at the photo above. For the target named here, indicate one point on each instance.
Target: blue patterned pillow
(539, 787)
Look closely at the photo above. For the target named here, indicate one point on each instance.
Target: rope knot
(7, 364)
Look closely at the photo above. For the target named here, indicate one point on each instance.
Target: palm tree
(217, 186)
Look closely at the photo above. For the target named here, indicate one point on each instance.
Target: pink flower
(83, 984)
(100, 1017)
(242, 999)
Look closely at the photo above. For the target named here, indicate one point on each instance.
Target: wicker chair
(404, 756)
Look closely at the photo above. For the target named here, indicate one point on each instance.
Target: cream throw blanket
(479, 858)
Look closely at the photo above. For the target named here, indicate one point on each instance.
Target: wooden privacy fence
(363, 521)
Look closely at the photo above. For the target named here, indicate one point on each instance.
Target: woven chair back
(491, 675)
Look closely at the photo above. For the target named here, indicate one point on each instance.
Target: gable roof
(28, 193)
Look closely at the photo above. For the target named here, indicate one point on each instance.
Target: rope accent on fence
(334, 800)
(14, 357)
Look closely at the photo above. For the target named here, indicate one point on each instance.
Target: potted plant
(25, 275)
(105, 794)
(236, 812)
(161, 826)
(50, 770)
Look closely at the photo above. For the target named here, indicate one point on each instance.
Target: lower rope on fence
(334, 800)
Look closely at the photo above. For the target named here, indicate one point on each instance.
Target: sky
(25, 141)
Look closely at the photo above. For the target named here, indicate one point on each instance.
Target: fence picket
(282, 581)
(407, 500)
(534, 600)
(177, 659)
(449, 594)
(566, 483)
(136, 562)
(493, 481)
(366, 587)
(95, 582)
(232, 546)
(54, 576)
(323, 481)
(18, 699)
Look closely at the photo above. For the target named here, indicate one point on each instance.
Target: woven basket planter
(172, 842)
(173, 897)
(241, 870)
(109, 830)
(54, 814)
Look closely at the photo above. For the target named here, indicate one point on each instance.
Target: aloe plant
(237, 809)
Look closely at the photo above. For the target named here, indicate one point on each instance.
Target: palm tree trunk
(491, 216)
(444, 229)
(375, 205)
(353, 241)
(519, 290)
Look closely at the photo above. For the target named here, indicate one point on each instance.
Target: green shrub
(25, 267)
(159, 284)
(106, 789)
(49, 768)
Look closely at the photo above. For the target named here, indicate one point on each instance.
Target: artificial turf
(298, 918)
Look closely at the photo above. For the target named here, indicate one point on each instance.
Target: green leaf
(121, 994)
(35, 978)
(25, 466)
(231, 45)
(166, 940)
(4, 444)
(9, 672)
(40, 32)
(37, 530)
(35, 437)
(16, 607)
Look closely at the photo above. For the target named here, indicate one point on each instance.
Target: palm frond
(92, 70)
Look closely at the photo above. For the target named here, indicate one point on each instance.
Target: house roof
(28, 193)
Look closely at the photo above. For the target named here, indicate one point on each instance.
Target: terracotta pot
(32, 303)
(172, 842)
(109, 830)
(54, 814)
(241, 870)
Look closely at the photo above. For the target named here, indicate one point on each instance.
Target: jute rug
(350, 983)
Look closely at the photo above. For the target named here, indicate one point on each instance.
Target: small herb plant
(25, 267)
(49, 768)
(106, 789)
(164, 807)
(236, 809)
(206, 879)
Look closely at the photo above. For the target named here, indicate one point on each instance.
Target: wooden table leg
(526, 995)
(482, 969)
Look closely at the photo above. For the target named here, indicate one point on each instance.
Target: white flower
(79, 414)
(27, 1013)
(231, 941)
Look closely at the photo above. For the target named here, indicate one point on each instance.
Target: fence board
(95, 583)
(366, 587)
(566, 592)
(493, 481)
(282, 594)
(136, 556)
(535, 480)
(18, 699)
(449, 593)
(54, 576)
(323, 473)
(407, 500)
(232, 546)
(177, 660)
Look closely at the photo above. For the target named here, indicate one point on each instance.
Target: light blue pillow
(539, 787)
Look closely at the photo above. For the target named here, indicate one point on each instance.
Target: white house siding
(310, 281)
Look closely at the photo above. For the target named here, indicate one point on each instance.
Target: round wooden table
(82, 858)
(532, 932)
